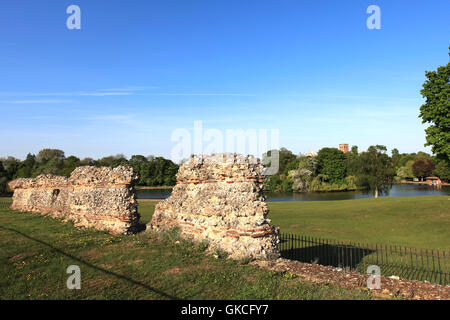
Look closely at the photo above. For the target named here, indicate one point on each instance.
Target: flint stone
(102, 198)
(221, 197)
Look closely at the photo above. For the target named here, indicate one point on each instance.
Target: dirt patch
(389, 287)
(177, 270)
(21, 256)
(137, 261)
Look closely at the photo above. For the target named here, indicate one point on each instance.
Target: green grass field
(413, 222)
(418, 222)
(35, 252)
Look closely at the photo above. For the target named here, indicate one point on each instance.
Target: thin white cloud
(83, 94)
(38, 101)
(111, 117)
(103, 94)
(143, 91)
(198, 94)
(125, 91)
(350, 97)
(131, 88)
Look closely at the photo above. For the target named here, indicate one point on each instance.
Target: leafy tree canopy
(442, 170)
(2, 170)
(422, 168)
(436, 111)
(376, 171)
(406, 171)
(332, 163)
(47, 154)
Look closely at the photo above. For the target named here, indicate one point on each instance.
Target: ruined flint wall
(101, 198)
(218, 198)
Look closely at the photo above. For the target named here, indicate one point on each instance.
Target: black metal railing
(408, 263)
(4, 205)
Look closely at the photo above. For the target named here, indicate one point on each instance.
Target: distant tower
(343, 147)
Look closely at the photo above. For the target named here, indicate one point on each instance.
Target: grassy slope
(35, 252)
(418, 222)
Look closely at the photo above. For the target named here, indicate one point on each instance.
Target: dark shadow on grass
(140, 227)
(119, 276)
(342, 256)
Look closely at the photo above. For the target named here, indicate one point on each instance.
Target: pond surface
(399, 190)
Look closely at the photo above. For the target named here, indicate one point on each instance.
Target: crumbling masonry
(101, 198)
(219, 199)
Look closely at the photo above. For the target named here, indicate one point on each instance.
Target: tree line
(329, 170)
(153, 171)
(333, 170)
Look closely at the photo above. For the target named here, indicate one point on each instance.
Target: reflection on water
(402, 190)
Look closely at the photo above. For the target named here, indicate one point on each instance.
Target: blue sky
(138, 70)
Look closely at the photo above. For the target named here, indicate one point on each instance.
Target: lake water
(402, 190)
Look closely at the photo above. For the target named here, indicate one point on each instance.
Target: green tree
(291, 165)
(319, 183)
(332, 163)
(395, 158)
(287, 160)
(422, 168)
(47, 154)
(301, 178)
(69, 164)
(308, 163)
(27, 167)
(11, 166)
(352, 161)
(112, 161)
(157, 172)
(286, 157)
(272, 183)
(436, 111)
(3, 178)
(442, 170)
(2, 170)
(138, 163)
(376, 171)
(406, 171)
(3, 184)
(137, 160)
(87, 162)
(52, 166)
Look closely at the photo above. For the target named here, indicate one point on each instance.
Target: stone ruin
(101, 198)
(219, 199)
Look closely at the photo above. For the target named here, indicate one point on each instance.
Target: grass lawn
(36, 250)
(418, 222)
(414, 222)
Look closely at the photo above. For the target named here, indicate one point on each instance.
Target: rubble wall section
(92, 197)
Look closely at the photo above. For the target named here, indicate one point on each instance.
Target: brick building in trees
(344, 147)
